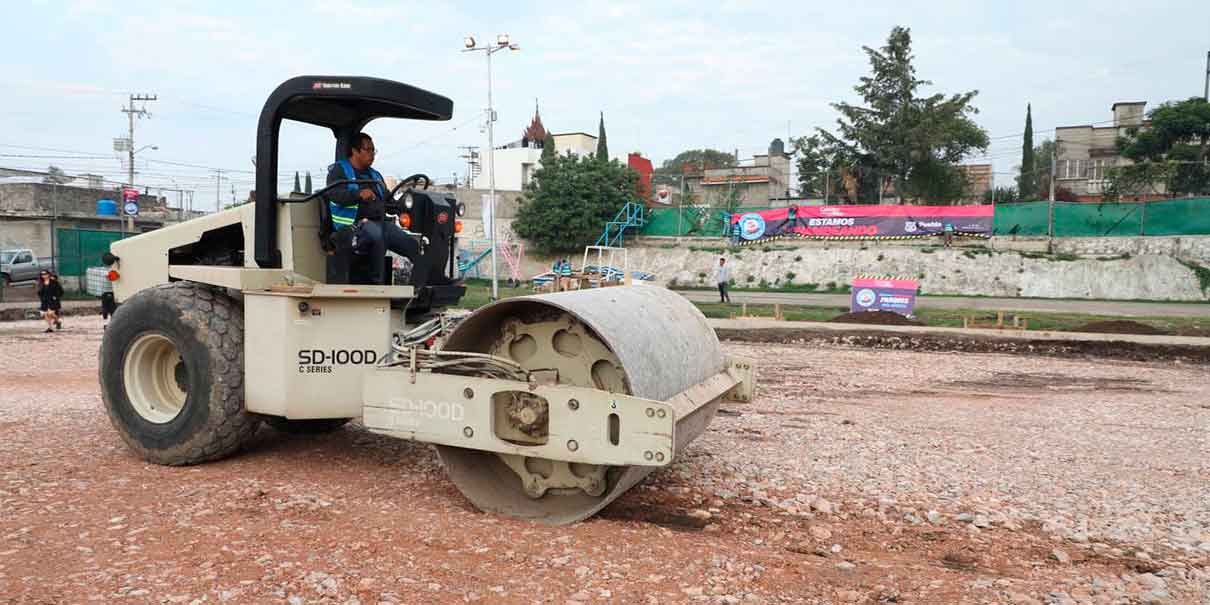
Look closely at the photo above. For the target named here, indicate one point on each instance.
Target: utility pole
(218, 188)
(1206, 90)
(131, 113)
(1050, 213)
(472, 161)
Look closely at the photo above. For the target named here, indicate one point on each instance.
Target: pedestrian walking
(949, 234)
(50, 293)
(722, 275)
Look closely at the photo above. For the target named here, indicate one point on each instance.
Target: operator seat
(344, 267)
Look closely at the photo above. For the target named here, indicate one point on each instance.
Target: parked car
(20, 264)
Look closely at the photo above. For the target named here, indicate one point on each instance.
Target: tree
(307, 189)
(699, 159)
(566, 204)
(55, 176)
(1027, 181)
(915, 141)
(297, 185)
(602, 145)
(1171, 154)
(818, 166)
(548, 147)
(1041, 170)
(1001, 195)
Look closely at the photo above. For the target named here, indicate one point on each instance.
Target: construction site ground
(860, 474)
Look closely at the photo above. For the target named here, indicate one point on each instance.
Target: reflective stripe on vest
(343, 216)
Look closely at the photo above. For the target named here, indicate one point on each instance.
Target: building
(764, 181)
(516, 161)
(643, 167)
(40, 215)
(979, 180)
(1086, 153)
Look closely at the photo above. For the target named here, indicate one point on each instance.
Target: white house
(517, 161)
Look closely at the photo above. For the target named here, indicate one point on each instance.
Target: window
(526, 169)
(1098, 168)
(24, 257)
(1073, 169)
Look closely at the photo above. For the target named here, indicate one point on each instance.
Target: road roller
(544, 407)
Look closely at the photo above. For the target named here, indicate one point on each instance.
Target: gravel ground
(857, 476)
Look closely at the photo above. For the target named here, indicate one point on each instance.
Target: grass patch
(1202, 273)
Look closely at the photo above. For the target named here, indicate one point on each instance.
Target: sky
(668, 76)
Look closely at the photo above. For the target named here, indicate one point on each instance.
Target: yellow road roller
(544, 407)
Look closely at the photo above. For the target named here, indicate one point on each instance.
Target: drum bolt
(573, 404)
(572, 445)
(650, 412)
(468, 393)
(468, 431)
(613, 404)
(648, 455)
(661, 413)
(659, 456)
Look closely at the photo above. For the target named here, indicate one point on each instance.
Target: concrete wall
(1153, 270)
(940, 271)
(36, 199)
(1190, 248)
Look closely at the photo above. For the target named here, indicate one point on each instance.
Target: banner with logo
(884, 294)
(863, 222)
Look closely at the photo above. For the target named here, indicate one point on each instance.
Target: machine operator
(361, 207)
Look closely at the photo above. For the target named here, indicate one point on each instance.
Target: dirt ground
(856, 476)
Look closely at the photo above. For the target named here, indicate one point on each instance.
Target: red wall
(642, 166)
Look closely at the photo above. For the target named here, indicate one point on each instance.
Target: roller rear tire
(172, 374)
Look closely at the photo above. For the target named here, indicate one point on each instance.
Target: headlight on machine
(460, 209)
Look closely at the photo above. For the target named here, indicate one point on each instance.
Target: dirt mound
(880, 318)
(1120, 326)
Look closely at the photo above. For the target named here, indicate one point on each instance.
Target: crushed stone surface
(856, 476)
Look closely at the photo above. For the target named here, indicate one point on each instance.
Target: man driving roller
(361, 207)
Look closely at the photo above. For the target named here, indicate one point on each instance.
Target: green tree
(1040, 168)
(1027, 181)
(568, 201)
(1001, 195)
(307, 187)
(548, 147)
(699, 159)
(602, 145)
(55, 176)
(1171, 154)
(818, 166)
(916, 141)
(297, 185)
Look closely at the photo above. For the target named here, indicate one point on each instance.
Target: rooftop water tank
(107, 208)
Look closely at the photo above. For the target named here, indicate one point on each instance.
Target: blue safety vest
(343, 216)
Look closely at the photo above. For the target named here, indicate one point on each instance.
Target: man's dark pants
(722, 293)
(385, 236)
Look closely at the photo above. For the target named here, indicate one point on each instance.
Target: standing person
(949, 234)
(722, 274)
(50, 291)
(565, 274)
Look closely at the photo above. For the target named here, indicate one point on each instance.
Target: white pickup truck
(20, 265)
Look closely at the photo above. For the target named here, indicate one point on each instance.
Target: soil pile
(1120, 326)
(881, 318)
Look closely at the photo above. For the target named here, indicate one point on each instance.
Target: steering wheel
(395, 200)
(397, 191)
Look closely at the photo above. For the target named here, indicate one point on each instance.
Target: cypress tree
(297, 186)
(548, 147)
(1027, 184)
(602, 145)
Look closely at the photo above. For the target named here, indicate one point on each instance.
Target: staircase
(631, 215)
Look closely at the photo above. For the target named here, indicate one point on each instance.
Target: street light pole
(502, 43)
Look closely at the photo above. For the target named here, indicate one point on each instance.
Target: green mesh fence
(688, 221)
(1190, 216)
(79, 249)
